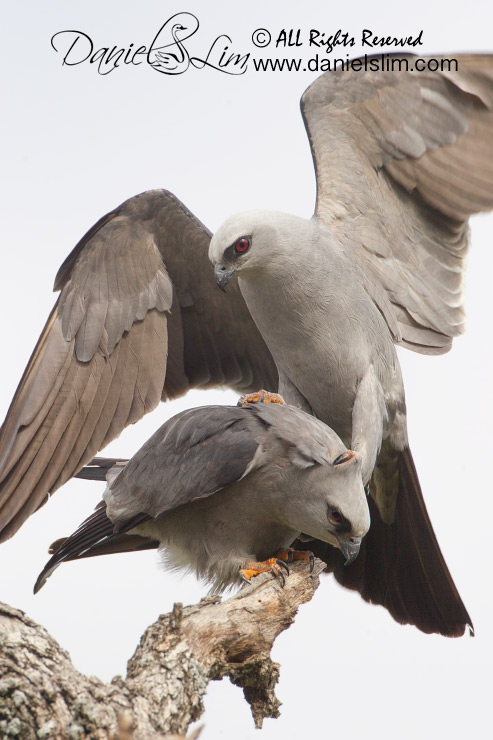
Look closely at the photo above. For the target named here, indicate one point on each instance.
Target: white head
(253, 240)
(331, 503)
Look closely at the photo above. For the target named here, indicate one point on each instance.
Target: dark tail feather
(400, 565)
(95, 536)
(98, 468)
(112, 546)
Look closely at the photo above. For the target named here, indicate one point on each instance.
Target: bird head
(249, 242)
(348, 514)
(332, 505)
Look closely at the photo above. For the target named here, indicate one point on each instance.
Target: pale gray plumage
(296, 270)
(402, 159)
(216, 486)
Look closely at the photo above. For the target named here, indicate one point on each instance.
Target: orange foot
(253, 568)
(288, 555)
(260, 397)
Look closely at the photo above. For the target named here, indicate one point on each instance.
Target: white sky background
(77, 144)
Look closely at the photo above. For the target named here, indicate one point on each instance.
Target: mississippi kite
(402, 160)
(221, 489)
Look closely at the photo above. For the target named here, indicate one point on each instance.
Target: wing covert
(191, 456)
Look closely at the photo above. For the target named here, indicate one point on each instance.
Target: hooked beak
(223, 275)
(349, 548)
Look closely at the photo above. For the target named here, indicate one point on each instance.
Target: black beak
(350, 548)
(223, 275)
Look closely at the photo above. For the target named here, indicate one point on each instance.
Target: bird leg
(260, 397)
(254, 568)
(288, 555)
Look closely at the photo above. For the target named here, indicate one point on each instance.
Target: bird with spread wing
(402, 159)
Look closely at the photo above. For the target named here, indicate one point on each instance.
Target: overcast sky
(76, 144)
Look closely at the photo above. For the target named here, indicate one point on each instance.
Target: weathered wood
(43, 696)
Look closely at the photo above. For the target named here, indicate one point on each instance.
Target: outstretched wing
(139, 319)
(402, 159)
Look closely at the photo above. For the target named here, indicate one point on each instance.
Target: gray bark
(42, 696)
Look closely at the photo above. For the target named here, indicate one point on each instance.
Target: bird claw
(276, 565)
(260, 397)
(253, 568)
(245, 579)
(288, 554)
(283, 564)
(311, 558)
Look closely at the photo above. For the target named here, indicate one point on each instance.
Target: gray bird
(402, 159)
(221, 489)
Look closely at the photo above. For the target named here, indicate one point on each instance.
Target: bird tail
(95, 536)
(400, 565)
(99, 467)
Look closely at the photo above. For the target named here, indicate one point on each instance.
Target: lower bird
(224, 491)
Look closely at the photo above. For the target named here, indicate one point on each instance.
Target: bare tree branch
(43, 696)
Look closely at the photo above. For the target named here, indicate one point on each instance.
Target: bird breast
(212, 537)
(324, 332)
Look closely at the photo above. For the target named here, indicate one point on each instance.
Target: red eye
(242, 245)
(335, 516)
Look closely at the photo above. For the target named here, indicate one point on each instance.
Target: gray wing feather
(402, 160)
(139, 319)
(192, 456)
(201, 451)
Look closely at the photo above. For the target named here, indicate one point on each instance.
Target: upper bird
(402, 159)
